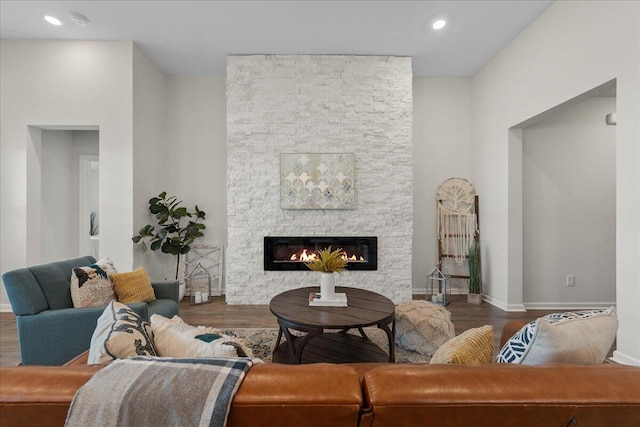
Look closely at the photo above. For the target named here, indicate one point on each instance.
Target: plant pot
(181, 290)
(327, 286)
(474, 299)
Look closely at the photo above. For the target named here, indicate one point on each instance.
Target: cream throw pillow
(175, 338)
(581, 337)
(472, 347)
(120, 333)
(134, 286)
(90, 285)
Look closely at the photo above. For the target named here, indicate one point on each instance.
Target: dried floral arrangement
(329, 261)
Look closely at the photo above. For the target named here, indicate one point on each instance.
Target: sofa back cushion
(54, 279)
(41, 287)
(24, 293)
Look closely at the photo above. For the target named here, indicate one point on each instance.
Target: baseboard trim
(624, 359)
(5, 308)
(503, 306)
(567, 305)
(424, 292)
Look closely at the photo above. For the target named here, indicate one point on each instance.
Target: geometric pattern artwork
(317, 181)
(517, 347)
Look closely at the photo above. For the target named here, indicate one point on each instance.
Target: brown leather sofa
(373, 395)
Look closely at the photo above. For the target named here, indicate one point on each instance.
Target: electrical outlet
(571, 280)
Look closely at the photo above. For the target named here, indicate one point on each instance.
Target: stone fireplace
(318, 104)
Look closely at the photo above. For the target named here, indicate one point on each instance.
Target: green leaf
(180, 213)
(163, 195)
(136, 239)
(155, 245)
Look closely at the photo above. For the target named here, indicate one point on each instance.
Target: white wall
(197, 149)
(85, 143)
(59, 228)
(441, 150)
(571, 48)
(569, 194)
(192, 161)
(49, 83)
(151, 165)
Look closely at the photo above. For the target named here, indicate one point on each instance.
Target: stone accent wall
(318, 104)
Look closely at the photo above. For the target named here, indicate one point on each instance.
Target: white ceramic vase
(327, 286)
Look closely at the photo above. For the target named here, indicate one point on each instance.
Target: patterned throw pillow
(581, 337)
(120, 333)
(472, 347)
(175, 338)
(90, 285)
(134, 286)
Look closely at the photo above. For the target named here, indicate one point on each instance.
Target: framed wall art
(317, 181)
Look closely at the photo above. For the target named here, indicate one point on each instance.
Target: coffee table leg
(295, 351)
(390, 335)
(275, 347)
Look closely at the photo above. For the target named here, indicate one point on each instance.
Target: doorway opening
(62, 192)
(562, 205)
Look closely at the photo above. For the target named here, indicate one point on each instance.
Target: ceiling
(194, 37)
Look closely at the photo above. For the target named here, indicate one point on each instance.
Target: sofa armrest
(40, 395)
(167, 289)
(510, 328)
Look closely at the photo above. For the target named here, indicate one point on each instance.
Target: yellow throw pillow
(472, 347)
(133, 287)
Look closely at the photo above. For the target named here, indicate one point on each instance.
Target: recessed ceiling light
(439, 24)
(52, 20)
(79, 19)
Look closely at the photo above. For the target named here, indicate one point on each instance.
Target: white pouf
(422, 326)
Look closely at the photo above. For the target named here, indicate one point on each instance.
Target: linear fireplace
(290, 253)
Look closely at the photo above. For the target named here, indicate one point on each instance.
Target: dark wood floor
(218, 314)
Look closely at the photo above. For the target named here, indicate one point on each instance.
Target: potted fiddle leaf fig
(475, 277)
(177, 227)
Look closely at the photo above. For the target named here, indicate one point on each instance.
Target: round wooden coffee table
(312, 344)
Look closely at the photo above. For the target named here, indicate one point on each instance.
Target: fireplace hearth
(290, 253)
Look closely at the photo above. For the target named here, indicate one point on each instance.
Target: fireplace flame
(306, 257)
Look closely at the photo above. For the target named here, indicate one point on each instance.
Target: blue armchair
(50, 330)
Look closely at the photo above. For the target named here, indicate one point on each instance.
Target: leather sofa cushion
(498, 394)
